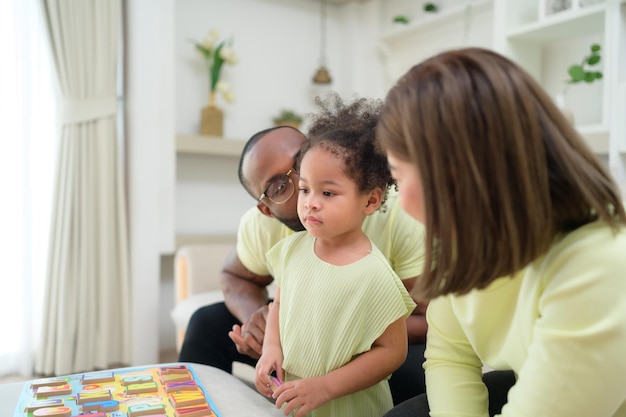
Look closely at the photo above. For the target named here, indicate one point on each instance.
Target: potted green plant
(287, 117)
(216, 53)
(583, 72)
(580, 72)
(401, 19)
(430, 7)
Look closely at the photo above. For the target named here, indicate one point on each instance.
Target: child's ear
(374, 200)
(265, 210)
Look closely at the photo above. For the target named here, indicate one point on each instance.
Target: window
(27, 159)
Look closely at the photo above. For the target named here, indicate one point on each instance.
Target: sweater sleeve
(453, 370)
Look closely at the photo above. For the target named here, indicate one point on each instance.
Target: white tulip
(229, 97)
(229, 55)
(210, 39)
(223, 87)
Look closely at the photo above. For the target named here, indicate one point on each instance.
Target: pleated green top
(329, 314)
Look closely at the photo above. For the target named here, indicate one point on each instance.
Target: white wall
(278, 43)
(149, 133)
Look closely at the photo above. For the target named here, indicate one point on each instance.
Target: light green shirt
(330, 314)
(560, 325)
(398, 236)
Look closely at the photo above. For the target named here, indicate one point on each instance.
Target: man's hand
(249, 337)
(245, 295)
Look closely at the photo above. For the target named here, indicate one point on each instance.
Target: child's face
(409, 187)
(329, 203)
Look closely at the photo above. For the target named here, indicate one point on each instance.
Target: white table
(231, 396)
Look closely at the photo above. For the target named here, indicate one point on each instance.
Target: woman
(525, 232)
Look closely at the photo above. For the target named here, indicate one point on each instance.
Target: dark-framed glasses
(280, 189)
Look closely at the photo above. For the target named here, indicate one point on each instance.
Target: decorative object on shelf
(288, 118)
(559, 100)
(400, 19)
(216, 53)
(212, 118)
(581, 72)
(556, 6)
(430, 7)
(584, 3)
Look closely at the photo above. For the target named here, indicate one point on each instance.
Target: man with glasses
(216, 336)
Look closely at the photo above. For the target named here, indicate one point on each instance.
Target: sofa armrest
(197, 268)
(196, 279)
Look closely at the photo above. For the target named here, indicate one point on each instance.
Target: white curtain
(27, 151)
(86, 317)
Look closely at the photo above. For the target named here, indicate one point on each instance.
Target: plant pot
(212, 118)
(562, 105)
(292, 124)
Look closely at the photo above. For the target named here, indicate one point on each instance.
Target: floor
(164, 357)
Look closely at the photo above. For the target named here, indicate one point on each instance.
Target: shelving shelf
(203, 239)
(208, 145)
(583, 21)
(596, 136)
(435, 19)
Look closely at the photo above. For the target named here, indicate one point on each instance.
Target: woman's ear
(374, 200)
(265, 210)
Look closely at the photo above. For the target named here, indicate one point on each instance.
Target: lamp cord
(467, 22)
(323, 33)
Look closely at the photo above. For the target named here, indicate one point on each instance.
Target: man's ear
(374, 200)
(265, 210)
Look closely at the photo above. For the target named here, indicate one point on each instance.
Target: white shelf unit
(203, 239)
(433, 20)
(208, 145)
(207, 169)
(547, 44)
(562, 24)
(457, 24)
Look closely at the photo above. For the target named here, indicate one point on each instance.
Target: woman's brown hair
(503, 172)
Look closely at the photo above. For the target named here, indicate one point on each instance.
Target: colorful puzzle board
(172, 390)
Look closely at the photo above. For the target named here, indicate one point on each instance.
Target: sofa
(196, 283)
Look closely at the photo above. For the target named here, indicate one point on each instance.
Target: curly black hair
(348, 130)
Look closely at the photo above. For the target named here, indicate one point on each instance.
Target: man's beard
(293, 223)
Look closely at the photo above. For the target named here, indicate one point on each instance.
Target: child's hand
(270, 361)
(301, 396)
(275, 383)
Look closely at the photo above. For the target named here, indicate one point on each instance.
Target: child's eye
(304, 190)
(329, 193)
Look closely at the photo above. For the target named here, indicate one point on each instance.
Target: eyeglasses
(280, 190)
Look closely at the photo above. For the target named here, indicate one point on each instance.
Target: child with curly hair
(336, 329)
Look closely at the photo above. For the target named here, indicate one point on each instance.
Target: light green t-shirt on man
(396, 234)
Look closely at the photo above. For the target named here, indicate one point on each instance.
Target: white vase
(556, 6)
(562, 105)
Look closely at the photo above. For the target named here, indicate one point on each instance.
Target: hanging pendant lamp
(322, 76)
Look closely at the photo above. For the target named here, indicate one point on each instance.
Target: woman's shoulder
(594, 252)
(592, 238)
